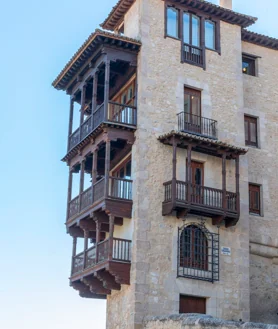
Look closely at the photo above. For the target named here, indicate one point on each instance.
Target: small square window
(249, 65)
(251, 130)
(254, 199)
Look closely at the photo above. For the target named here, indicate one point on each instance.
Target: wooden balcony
(185, 197)
(102, 268)
(197, 125)
(121, 115)
(112, 194)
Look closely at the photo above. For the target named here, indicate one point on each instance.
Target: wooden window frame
(181, 10)
(250, 119)
(250, 60)
(254, 188)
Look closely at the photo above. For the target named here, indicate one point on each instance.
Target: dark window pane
(172, 22)
(251, 130)
(186, 29)
(210, 34)
(248, 65)
(254, 199)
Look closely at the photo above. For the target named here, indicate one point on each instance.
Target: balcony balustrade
(193, 54)
(207, 199)
(119, 189)
(117, 113)
(197, 125)
(88, 259)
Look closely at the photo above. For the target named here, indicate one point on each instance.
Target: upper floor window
(172, 22)
(191, 29)
(254, 199)
(210, 34)
(251, 130)
(198, 253)
(249, 65)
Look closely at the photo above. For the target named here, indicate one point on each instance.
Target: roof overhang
(116, 16)
(89, 47)
(202, 144)
(259, 39)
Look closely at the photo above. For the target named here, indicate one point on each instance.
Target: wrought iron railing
(119, 113)
(196, 124)
(121, 252)
(201, 195)
(193, 54)
(120, 188)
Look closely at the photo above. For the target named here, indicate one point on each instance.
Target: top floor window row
(194, 30)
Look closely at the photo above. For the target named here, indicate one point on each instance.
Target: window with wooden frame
(254, 199)
(196, 32)
(249, 65)
(251, 130)
(122, 184)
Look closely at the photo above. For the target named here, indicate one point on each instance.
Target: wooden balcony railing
(121, 253)
(200, 195)
(119, 113)
(118, 189)
(193, 54)
(196, 124)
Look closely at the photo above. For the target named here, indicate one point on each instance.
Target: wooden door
(197, 178)
(192, 110)
(189, 304)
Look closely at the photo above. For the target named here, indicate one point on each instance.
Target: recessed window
(172, 22)
(210, 34)
(191, 304)
(249, 65)
(254, 199)
(251, 130)
(198, 254)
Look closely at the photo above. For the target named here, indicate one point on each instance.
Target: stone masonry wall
(261, 100)
(155, 288)
(200, 322)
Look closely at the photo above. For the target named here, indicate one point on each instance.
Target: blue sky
(37, 39)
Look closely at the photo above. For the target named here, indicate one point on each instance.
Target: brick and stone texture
(226, 96)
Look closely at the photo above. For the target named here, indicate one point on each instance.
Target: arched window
(194, 247)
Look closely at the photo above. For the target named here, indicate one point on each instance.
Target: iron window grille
(198, 253)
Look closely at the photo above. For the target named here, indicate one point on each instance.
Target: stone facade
(227, 95)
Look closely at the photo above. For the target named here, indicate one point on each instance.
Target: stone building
(173, 163)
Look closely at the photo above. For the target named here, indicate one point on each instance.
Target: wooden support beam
(97, 238)
(111, 233)
(94, 170)
(106, 89)
(81, 182)
(107, 167)
(83, 102)
(86, 237)
(94, 98)
(224, 181)
(73, 252)
(70, 120)
(108, 280)
(69, 192)
(95, 285)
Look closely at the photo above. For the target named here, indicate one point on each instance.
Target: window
(172, 22)
(251, 130)
(210, 35)
(249, 65)
(198, 253)
(254, 199)
(190, 304)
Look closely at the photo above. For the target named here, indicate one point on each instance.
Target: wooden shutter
(254, 199)
(189, 304)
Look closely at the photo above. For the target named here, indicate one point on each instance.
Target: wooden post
(98, 227)
(81, 183)
(70, 120)
(106, 90)
(107, 167)
(224, 187)
(94, 100)
(94, 171)
(73, 253)
(111, 233)
(69, 192)
(174, 179)
(86, 237)
(189, 175)
(237, 185)
(83, 103)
